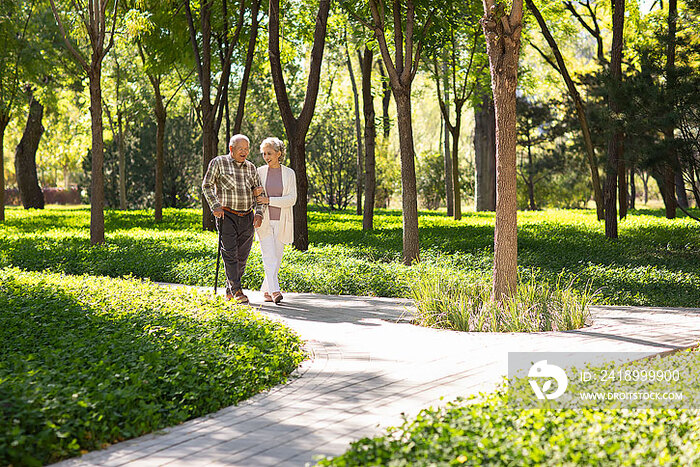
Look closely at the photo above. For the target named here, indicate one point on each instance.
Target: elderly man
(230, 186)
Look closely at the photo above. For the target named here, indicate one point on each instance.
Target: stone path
(369, 366)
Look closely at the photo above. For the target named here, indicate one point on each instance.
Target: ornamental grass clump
(463, 303)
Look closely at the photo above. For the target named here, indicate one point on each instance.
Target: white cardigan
(285, 202)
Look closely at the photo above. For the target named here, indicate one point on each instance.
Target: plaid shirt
(229, 184)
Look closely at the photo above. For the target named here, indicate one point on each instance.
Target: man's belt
(238, 213)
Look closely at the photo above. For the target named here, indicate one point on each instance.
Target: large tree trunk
(25, 158)
(97, 193)
(615, 147)
(580, 110)
(161, 115)
(502, 31)
(485, 153)
(4, 121)
(210, 142)
(411, 247)
(633, 190)
(449, 188)
(370, 136)
(296, 128)
(358, 132)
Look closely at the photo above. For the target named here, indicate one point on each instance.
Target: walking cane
(218, 255)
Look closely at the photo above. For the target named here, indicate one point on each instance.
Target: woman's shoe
(277, 297)
(267, 296)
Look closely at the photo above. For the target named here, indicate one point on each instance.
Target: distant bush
(52, 195)
(86, 361)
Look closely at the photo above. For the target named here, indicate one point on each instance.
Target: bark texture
(503, 31)
(485, 153)
(25, 158)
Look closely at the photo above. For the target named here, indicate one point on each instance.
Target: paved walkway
(368, 367)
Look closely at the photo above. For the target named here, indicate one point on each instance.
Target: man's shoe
(277, 297)
(240, 297)
(267, 297)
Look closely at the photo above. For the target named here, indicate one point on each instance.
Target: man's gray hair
(236, 138)
(276, 143)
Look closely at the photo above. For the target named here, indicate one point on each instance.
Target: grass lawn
(655, 262)
(88, 361)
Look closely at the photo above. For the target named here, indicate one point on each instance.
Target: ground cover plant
(655, 262)
(492, 431)
(87, 361)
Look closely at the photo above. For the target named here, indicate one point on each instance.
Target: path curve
(369, 366)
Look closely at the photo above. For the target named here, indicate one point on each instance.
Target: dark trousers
(236, 240)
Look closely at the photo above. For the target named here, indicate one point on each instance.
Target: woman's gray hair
(276, 143)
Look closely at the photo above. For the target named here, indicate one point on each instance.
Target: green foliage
(464, 304)
(87, 361)
(491, 431)
(655, 262)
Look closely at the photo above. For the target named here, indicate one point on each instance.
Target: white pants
(272, 250)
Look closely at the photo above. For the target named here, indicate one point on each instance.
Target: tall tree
(447, 157)
(485, 151)
(459, 44)
(502, 30)
(358, 128)
(250, 54)
(156, 29)
(408, 26)
(211, 113)
(25, 157)
(615, 147)
(672, 170)
(297, 127)
(370, 135)
(93, 16)
(578, 104)
(15, 19)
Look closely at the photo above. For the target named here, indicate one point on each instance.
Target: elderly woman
(277, 228)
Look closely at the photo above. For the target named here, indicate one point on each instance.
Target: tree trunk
(250, 54)
(681, 195)
(122, 162)
(161, 115)
(411, 247)
(386, 99)
(580, 109)
(633, 190)
(370, 136)
(485, 153)
(97, 194)
(120, 143)
(296, 128)
(358, 132)
(615, 144)
(209, 148)
(622, 177)
(4, 121)
(449, 188)
(502, 32)
(457, 189)
(671, 163)
(25, 158)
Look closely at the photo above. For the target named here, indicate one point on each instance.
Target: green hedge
(655, 262)
(87, 361)
(494, 432)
